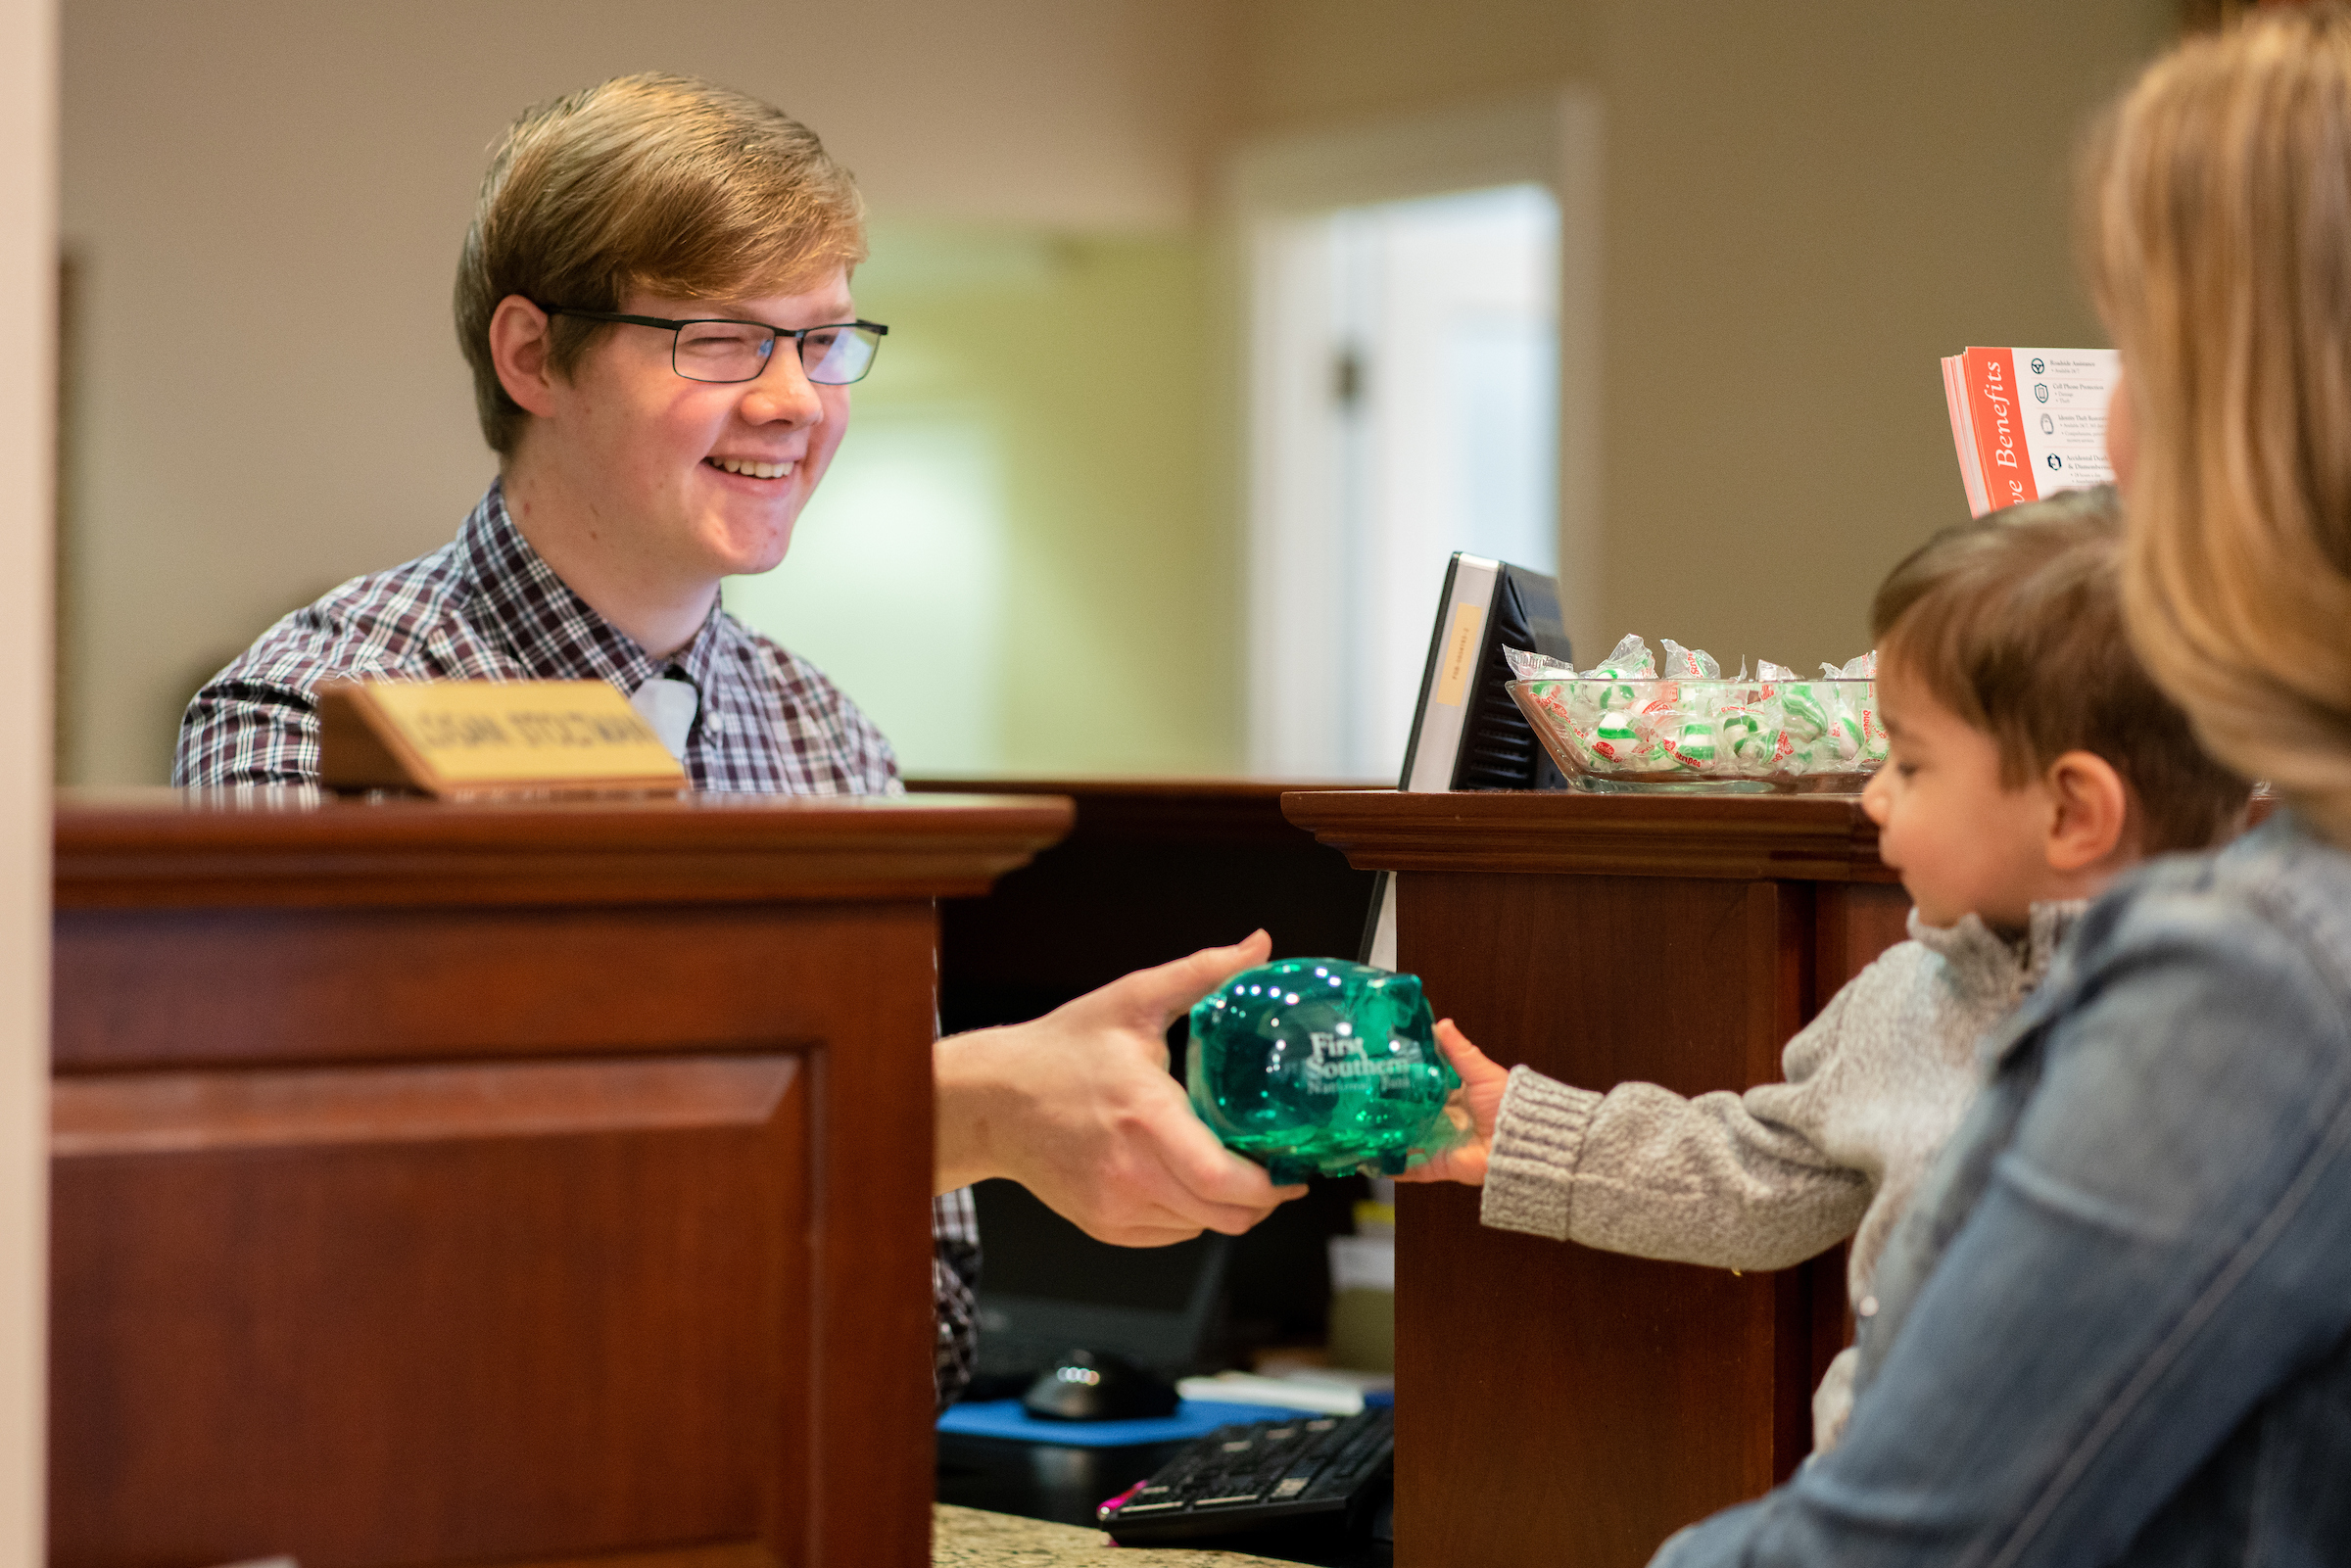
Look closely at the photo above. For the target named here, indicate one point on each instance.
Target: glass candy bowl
(1780, 735)
(1319, 1066)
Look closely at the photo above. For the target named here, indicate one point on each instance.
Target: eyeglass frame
(798, 336)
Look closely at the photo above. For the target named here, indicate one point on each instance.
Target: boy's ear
(2091, 819)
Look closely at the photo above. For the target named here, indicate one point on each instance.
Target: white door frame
(1551, 138)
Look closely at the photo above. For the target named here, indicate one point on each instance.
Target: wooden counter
(1557, 1404)
(450, 1184)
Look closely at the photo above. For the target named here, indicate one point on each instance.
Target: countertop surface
(968, 1537)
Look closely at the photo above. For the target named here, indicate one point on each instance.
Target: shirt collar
(1980, 961)
(549, 630)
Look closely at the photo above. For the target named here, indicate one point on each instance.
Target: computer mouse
(1095, 1385)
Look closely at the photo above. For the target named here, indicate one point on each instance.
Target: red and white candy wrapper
(1857, 691)
(1689, 664)
(1604, 687)
(1629, 660)
(1692, 744)
(1752, 734)
(1621, 739)
(1526, 666)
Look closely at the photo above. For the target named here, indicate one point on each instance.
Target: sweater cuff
(1538, 1142)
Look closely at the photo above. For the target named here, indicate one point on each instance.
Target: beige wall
(27, 279)
(1803, 217)
(1804, 208)
(1314, 61)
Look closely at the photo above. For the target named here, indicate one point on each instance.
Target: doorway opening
(1405, 403)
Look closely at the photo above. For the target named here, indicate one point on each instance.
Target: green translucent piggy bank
(1318, 1067)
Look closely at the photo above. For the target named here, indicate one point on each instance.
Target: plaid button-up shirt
(485, 608)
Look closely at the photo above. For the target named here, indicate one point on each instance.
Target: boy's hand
(1473, 1107)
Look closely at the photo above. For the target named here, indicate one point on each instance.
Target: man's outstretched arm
(1079, 1107)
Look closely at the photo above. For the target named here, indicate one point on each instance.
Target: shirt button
(1868, 1306)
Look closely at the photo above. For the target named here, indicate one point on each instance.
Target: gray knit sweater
(1766, 1179)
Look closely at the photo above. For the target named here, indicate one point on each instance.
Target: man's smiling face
(692, 479)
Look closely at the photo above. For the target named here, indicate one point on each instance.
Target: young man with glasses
(655, 299)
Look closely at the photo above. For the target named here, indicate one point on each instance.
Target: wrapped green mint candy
(1319, 1066)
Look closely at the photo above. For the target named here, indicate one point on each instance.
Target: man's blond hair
(654, 182)
(2216, 199)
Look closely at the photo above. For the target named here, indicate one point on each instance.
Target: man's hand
(1079, 1107)
(1472, 1108)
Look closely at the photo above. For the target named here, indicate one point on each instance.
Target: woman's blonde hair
(662, 183)
(2216, 199)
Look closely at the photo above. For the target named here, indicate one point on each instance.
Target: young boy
(2031, 761)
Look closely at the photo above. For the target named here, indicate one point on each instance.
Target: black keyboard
(1287, 1471)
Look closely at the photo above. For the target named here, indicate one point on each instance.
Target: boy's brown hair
(655, 182)
(2014, 622)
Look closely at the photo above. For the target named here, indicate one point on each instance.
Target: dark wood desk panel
(1558, 1404)
(248, 984)
(1152, 868)
(421, 1338)
(457, 1184)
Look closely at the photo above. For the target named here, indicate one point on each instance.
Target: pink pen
(1120, 1501)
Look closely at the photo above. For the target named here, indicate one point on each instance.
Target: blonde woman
(2116, 1325)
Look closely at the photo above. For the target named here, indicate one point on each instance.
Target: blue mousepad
(1193, 1418)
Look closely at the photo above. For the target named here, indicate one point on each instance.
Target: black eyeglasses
(832, 354)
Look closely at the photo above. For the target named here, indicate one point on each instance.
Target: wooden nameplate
(472, 738)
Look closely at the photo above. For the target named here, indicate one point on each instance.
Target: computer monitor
(1047, 1287)
(1467, 732)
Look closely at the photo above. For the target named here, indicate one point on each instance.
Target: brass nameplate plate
(487, 738)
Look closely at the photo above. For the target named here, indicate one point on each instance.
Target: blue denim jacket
(2115, 1326)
